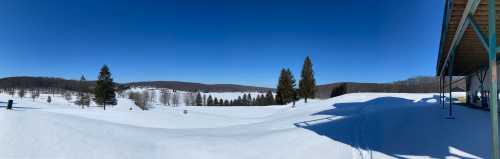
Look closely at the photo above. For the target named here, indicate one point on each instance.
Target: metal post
(444, 98)
(440, 91)
(450, 73)
(493, 72)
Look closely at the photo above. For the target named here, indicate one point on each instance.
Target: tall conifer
(285, 87)
(307, 84)
(105, 91)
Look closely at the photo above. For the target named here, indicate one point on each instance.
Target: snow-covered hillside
(360, 125)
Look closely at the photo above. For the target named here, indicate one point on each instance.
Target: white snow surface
(358, 125)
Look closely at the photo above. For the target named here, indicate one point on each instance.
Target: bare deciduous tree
(35, 94)
(21, 93)
(175, 99)
(165, 97)
(142, 100)
(187, 99)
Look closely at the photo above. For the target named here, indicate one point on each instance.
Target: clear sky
(228, 41)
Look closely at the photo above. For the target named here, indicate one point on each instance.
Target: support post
(450, 76)
(492, 56)
(444, 98)
(440, 91)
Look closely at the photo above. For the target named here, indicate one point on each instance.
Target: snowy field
(360, 125)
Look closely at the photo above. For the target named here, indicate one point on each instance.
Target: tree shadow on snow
(406, 127)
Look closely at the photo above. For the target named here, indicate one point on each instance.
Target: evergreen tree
(269, 99)
(199, 100)
(49, 99)
(244, 99)
(260, 100)
(204, 99)
(105, 91)
(339, 90)
(216, 101)
(285, 87)
(226, 102)
(221, 102)
(307, 84)
(238, 101)
(295, 96)
(210, 101)
(83, 99)
(249, 99)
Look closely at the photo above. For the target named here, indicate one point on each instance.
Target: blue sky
(228, 41)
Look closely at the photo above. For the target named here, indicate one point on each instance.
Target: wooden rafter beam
(470, 9)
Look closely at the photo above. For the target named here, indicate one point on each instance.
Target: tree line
(242, 100)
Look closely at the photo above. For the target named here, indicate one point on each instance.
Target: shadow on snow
(406, 127)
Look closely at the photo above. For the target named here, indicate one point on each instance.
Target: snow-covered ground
(359, 125)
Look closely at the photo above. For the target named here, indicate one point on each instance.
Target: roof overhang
(463, 35)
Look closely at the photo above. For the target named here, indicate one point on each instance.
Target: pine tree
(249, 99)
(339, 90)
(82, 99)
(260, 100)
(199, 100)
(307, 84)
(238, 101)
(226, 102)
(244, 99)
(49, 99)
(221, 102)
(210, 101)
(216, 101)
(204, 99)
(295, 96)
(285, 87)
(105, 91)
(269, 99)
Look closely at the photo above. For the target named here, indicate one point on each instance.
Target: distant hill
(189, 86)
(420, 84)
(61, 83)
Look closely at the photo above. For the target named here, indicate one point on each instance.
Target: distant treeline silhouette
(44, 82)
(420, 84)
(74, 85)
(194, 87)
